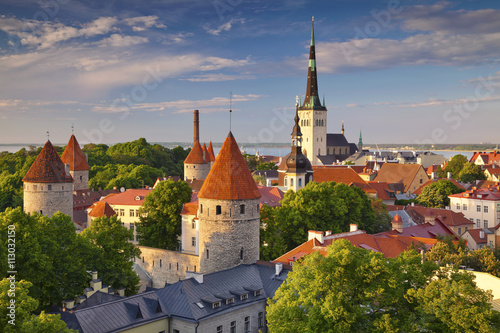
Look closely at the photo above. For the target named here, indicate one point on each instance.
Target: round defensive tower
(195, 166)
(228, 212)
(78, 166)
(48, 185)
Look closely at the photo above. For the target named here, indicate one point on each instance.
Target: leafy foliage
(471, 172)
(55, 259)
(24, 321)
(436, 194)
(323, 206)
(455, 165)
(357, 290)
(159, 215)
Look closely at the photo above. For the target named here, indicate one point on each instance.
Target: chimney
(279, 268)
(328, 233)
(433, 175)
(353, 227)
(66, 169)
(448, 175)
(94, 275)
(69, 304)
(196, 126)
(311, 234)
(121, 291)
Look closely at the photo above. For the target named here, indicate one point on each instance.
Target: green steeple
(312, 101)
(360, 143)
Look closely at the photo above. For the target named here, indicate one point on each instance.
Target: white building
(482, 206)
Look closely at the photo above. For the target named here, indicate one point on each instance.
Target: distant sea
(249, 150)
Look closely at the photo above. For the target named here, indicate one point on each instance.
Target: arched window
(291, 181)
(285, 181)
(300, 182)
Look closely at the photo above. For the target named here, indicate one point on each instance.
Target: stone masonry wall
(58, 198)
(166, 266)
(196, 171)
(82, 184)
(228, 235)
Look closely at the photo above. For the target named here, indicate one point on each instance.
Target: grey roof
(179, 299)
(266, 173)
(352, 148)
(336, 140)
(97, 298)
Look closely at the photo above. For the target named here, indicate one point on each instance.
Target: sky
(400, 71)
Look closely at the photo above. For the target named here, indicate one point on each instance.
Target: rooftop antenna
(230, 108)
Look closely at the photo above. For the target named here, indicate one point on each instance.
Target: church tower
(48, 185)
(78, 166)
(299, 170)
(228, 212)
(312, 114)
(360, 142)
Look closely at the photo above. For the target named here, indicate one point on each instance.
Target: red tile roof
(205, 152)
(493, 170)
(195, 155)
(73, 155)
(340, 175)
(47, 168)
(133, 197)
(190, 208)
(451, 218)
(195, 184)
(271, 196)
(488, 193)
(383, 190)
(487, 157)
(211, 154)
(474, 233)
(229, 177)
(398, 173)
(430, 181)
(425, 230)
(102, 208)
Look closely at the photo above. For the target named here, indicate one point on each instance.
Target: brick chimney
(315, 234)
(196, 126)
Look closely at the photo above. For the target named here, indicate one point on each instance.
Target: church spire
(360, 143)
(342, 130)
(312, 100)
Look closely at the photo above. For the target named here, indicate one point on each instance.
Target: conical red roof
(229, 178)
(205, 153)
(211, 154)
(195, 155)
(73, 155)
(102, 208)
(47, 168)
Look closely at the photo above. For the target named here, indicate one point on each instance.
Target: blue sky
(401, 71)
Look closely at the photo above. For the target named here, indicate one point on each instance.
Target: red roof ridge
(47, 168)
(102, 208)
(229, 178)
(211, 154)
(74, 156)
(195, 155)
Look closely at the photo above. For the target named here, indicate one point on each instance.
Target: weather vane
(48, 135)
(230, 108)
(72, 128)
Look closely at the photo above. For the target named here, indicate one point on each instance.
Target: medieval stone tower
(48, 185)
(312, 113)
(298, 167)
(78, 166)
(196, 165)
(228, 212)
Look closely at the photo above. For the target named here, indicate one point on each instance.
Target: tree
(436, 194)
(160, 223)
(357, 290)
(23, 321)
(471, 172)
(455, 165)
(266, 166)
(49, 254)
(113, 253)
(319, 206)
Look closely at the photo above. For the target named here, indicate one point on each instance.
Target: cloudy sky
(400, 71)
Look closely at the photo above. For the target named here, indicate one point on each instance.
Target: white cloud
(142, 23)
(219, 77)
(223, 27)
(116, 40)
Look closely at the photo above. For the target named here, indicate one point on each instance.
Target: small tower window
(50, 187)
(218, 210)
(291, 181)
(208, 254)
(300, 182)
(241, 254)
(81, 178)
(201, 209)
(242, 209)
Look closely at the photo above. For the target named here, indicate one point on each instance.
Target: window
(458, 206)
(421, 180)
(137, 212)
(216, 305)
(131, 213)
(242, 209)
(464, 206)
(219, 329)
(478, 223)
(208, 256)
(218, 210)
(50, 189)
(247, 324)
(193, 241)
(241, 254)
(459, 231)
(485, 223)
(257, 292)
(233, 327)
(193, 224)
(177, 266)
(300, 182)
(244, 297)
(131, 226)
(160, 262)
(230, 301)
(485, 208)
(261, 319)
(291, 181)
(175, 331)
(63, 187)
(122, 212)
(34, 187)
(201, 209)
(285, 181)
(478, 208)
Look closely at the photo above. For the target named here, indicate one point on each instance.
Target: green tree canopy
(24, 321)
(357, 290)
(455, 165)
(471, 172)
(113, 253)
(159, 215)
(436, 194)
(318, 206)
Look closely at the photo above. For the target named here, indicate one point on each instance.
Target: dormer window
(257, 292)
(216, 305)
(230, 301)
(243, 297)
